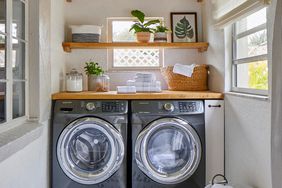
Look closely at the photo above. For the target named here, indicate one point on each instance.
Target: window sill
(15, 139)
(250, 96)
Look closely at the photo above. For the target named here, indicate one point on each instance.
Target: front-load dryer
(89, 144)
(168, 144)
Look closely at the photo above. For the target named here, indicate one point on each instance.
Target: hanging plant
(183, 29)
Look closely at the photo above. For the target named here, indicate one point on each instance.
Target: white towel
(185, 70)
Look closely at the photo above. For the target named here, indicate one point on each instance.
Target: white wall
(247, 141)
(29, 167)
(57, 53)
(96, 12)
(247, 120)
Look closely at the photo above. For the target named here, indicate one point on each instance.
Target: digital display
(112, 107)
(187, 106)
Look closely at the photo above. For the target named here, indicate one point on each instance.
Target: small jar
(99, 83)
(74, 81)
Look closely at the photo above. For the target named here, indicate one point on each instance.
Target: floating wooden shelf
(201, 46)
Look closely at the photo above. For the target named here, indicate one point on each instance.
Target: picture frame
(184, 27)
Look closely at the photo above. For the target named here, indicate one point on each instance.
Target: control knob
(168, 107)
(90, 106)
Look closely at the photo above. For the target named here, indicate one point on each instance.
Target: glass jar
(99, 83)
(74, 81)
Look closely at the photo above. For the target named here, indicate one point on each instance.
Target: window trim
(9, 69)
(110, 52)
(246, 60)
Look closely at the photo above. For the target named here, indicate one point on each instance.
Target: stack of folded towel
(143, 82)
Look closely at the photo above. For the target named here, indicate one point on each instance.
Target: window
(13, 67)
(250, 65)
(130, 58)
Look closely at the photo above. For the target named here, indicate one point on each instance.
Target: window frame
(110, 52)
(247, 60)
(8, 34)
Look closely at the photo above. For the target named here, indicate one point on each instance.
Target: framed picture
(184, 26)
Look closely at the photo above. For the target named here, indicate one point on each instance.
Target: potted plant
(141, 27)
(97, 80)
(160, 33)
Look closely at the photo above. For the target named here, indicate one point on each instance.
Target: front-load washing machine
(89, 144)
(168, 144)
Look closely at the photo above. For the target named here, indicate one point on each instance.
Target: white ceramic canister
(74, 81)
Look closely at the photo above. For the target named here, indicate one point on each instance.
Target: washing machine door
(168, 150)
(90, 150)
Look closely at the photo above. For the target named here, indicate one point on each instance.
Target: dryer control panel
(168, 107)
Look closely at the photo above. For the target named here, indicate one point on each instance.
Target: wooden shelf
(140, 96)
(201, 46)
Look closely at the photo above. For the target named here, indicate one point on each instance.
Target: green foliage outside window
(258, 75)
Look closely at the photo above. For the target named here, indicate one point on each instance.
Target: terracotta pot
(160, 37)
(143, 37)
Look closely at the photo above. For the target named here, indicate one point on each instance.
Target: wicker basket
(177, 82)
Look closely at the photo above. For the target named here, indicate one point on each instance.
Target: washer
(168, 144)
(89, 144)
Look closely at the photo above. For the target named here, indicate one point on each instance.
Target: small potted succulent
(160, 33)
(142, 28)
(97, 80)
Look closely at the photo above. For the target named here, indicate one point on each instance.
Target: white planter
(160, 37)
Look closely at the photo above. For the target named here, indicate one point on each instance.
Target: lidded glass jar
(99, 83)
(74, 81)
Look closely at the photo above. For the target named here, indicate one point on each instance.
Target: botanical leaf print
(184, 29)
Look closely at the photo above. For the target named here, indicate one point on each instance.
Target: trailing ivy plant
(93, 68)
(141, 25)
(183, 29)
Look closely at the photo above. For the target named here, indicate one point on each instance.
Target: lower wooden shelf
(163, 95)
(201, 46)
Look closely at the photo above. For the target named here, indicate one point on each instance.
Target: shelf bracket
(67, 48)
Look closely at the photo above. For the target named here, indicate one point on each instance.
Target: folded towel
(185, 70)
(126, 89)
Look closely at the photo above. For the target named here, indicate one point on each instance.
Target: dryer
(168, 144)
(89, 144)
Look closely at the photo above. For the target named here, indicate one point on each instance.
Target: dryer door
(168, 150)
(90, 150)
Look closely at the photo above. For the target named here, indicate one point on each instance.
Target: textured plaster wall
(57, 37)
(28, 167)
(247, 120)
(96, 12)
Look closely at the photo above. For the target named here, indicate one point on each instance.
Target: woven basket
(177, 82)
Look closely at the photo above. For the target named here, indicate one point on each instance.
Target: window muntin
(2, 16)
(250, 64)
(130, 58)
(13, 68)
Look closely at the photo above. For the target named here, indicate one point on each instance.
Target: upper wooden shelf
(201, 46)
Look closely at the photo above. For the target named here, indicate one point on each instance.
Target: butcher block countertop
(163, 95)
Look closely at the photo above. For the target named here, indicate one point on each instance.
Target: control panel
(168, 107)
(113, 106)
(92, 106)
(189, 107)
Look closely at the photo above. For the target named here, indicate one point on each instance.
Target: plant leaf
(184, 29)
(138, 14)
(151, 22)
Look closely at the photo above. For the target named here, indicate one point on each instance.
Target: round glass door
(90, 150)
(168, 150)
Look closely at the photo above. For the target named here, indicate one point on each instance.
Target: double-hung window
(13, 66)
(130, 58)
(250, 63)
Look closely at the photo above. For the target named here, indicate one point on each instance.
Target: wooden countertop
(163, 95)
